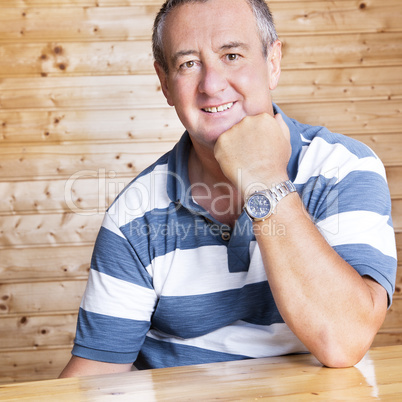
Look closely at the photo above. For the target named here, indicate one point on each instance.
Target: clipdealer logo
(320, 198)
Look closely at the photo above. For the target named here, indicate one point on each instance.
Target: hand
(254, 153)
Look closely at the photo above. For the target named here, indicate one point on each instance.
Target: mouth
(216, 109)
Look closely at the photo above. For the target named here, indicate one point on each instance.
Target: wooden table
(301, 377)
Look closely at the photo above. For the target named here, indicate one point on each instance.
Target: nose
(213, 80)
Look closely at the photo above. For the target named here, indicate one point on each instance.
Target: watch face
(258, 206)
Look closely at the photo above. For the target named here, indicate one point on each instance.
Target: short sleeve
(349, 201)
(118, 302)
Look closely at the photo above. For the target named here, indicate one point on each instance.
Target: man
(181, 274)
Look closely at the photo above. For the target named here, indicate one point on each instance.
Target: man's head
(261, 11)
(215, 69)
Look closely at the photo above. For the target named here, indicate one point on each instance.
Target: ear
(164, 82)
(274, 62)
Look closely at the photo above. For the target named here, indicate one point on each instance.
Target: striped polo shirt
(169, 285)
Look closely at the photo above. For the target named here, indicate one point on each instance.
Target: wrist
(262, 185)
(260, 205)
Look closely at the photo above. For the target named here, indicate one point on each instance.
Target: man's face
(217, 71)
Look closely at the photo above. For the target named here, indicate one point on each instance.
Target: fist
(254, 153)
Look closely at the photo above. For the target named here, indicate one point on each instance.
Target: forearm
(327, 304)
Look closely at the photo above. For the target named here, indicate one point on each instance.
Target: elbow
(342, 354)
(340, 360)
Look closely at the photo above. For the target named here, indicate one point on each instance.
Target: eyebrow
(182, 53)
(234, 45)
(226, 46)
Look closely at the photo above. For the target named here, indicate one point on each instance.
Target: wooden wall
(81, 112)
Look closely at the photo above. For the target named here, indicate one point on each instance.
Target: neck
(210, 187)
(204, 168)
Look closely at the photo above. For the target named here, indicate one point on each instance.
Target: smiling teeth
(221, 108)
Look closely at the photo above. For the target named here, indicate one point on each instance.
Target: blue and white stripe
(165, 288)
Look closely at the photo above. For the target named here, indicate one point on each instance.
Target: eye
(232, 56)
(188, 64)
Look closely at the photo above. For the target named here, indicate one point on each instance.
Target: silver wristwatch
(261, 204)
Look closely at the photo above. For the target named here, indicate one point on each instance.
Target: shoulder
(325, 153)
(144, 193)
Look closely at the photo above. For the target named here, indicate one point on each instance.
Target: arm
(115, 310)
(332, 309)
(79, 367)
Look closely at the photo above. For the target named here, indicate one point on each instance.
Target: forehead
(196, 25)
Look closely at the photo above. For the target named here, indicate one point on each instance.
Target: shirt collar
(178, 182)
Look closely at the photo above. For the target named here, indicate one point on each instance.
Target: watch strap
(281, 190)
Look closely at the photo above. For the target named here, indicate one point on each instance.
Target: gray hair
(265, 26)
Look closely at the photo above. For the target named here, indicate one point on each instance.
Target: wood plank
(75, 58)
(135, 22)
(398, 282)
(337, 16)
(99, 3)
(69, 262)
(394, 177)
(41, 297)
(33, 365)
(50, 330)
(342, 50)
(339, 84)
(77, 23)
(83, 192)
(398, 237)
(77, 160)
(388, 338)
(161, 124)
(68, 228)
(45, 263)
(71, 228)
(290, 378)
(118, 92)
(397, 214)
(85, 3)
(393, 318)
(364, 117)
(387, 146)
(92, 192)
(60, 58)
(36, 331)
(81, 93)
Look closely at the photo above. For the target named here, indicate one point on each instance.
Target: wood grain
(105, 58)
(28, 365)
(85, 191)
(81, 113)
(162, 124)
(352, 118)
(342, 50)
(37, 331)
(294, 378)
(393, 318)
(30, 264)
(144, 91)
(52, 229)
(146, 125)
(38, 297)
(91, 192)
(135, 22)
(77, 160)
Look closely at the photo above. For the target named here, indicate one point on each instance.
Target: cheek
(251, 81)
(184, 90)
(254, 88)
